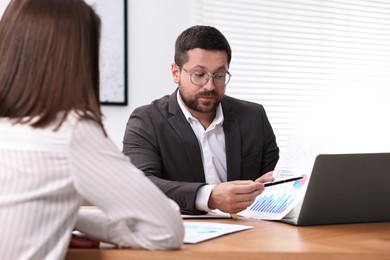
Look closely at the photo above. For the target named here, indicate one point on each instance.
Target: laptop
(345, 188)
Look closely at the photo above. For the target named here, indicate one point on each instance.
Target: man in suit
(202, 148)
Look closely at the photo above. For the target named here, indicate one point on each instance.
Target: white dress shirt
(212, 145)
(44, 176)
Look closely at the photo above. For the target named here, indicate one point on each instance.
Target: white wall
(153, 26)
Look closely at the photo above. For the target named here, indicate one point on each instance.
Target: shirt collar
(218, 116)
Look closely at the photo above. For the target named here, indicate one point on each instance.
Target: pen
(282, 181)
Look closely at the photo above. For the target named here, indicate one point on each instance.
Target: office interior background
(320, 67)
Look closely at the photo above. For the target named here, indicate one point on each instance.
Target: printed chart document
(196, 232)
(278, 200)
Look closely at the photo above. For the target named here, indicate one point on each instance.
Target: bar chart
(276, 202)
(271, 204)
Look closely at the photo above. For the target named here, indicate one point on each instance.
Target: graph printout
(277, 201)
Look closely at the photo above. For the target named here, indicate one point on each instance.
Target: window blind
(315, 65)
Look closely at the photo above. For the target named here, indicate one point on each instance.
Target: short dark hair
(49, 61)
(203, 37)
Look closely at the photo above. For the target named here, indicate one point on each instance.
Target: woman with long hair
(54, 151)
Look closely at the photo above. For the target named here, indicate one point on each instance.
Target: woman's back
(54, 151)
(38, 201)
(44, 176)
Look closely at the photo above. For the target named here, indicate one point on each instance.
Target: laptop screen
(346, 188)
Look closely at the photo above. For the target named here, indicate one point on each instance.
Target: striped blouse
(46, 174)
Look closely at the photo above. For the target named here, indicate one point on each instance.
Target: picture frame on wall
(113, 51)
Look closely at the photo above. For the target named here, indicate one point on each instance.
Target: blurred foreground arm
(130, 210)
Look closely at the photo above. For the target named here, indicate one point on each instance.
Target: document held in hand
(278, 200)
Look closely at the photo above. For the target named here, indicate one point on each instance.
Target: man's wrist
(202, 198)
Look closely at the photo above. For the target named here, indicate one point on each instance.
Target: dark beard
(193, 103)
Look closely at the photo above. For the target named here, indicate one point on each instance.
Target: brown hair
(49, 61)
(203, 37)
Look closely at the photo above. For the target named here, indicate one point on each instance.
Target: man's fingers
(266, 178)
(248, 187)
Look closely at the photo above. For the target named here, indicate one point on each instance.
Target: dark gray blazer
(159, 141)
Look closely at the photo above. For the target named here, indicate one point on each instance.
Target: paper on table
(196, 232)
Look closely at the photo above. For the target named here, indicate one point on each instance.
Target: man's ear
(175, 70)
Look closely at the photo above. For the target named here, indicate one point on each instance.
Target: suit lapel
(188, 139)
(231, 128)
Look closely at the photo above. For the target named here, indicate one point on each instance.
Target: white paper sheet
(196, 232)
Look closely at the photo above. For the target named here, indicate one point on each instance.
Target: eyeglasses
(201, 77)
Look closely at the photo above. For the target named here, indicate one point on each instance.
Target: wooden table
(269, 240)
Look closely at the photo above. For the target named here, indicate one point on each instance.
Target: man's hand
(234, 196)
(266, 178)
